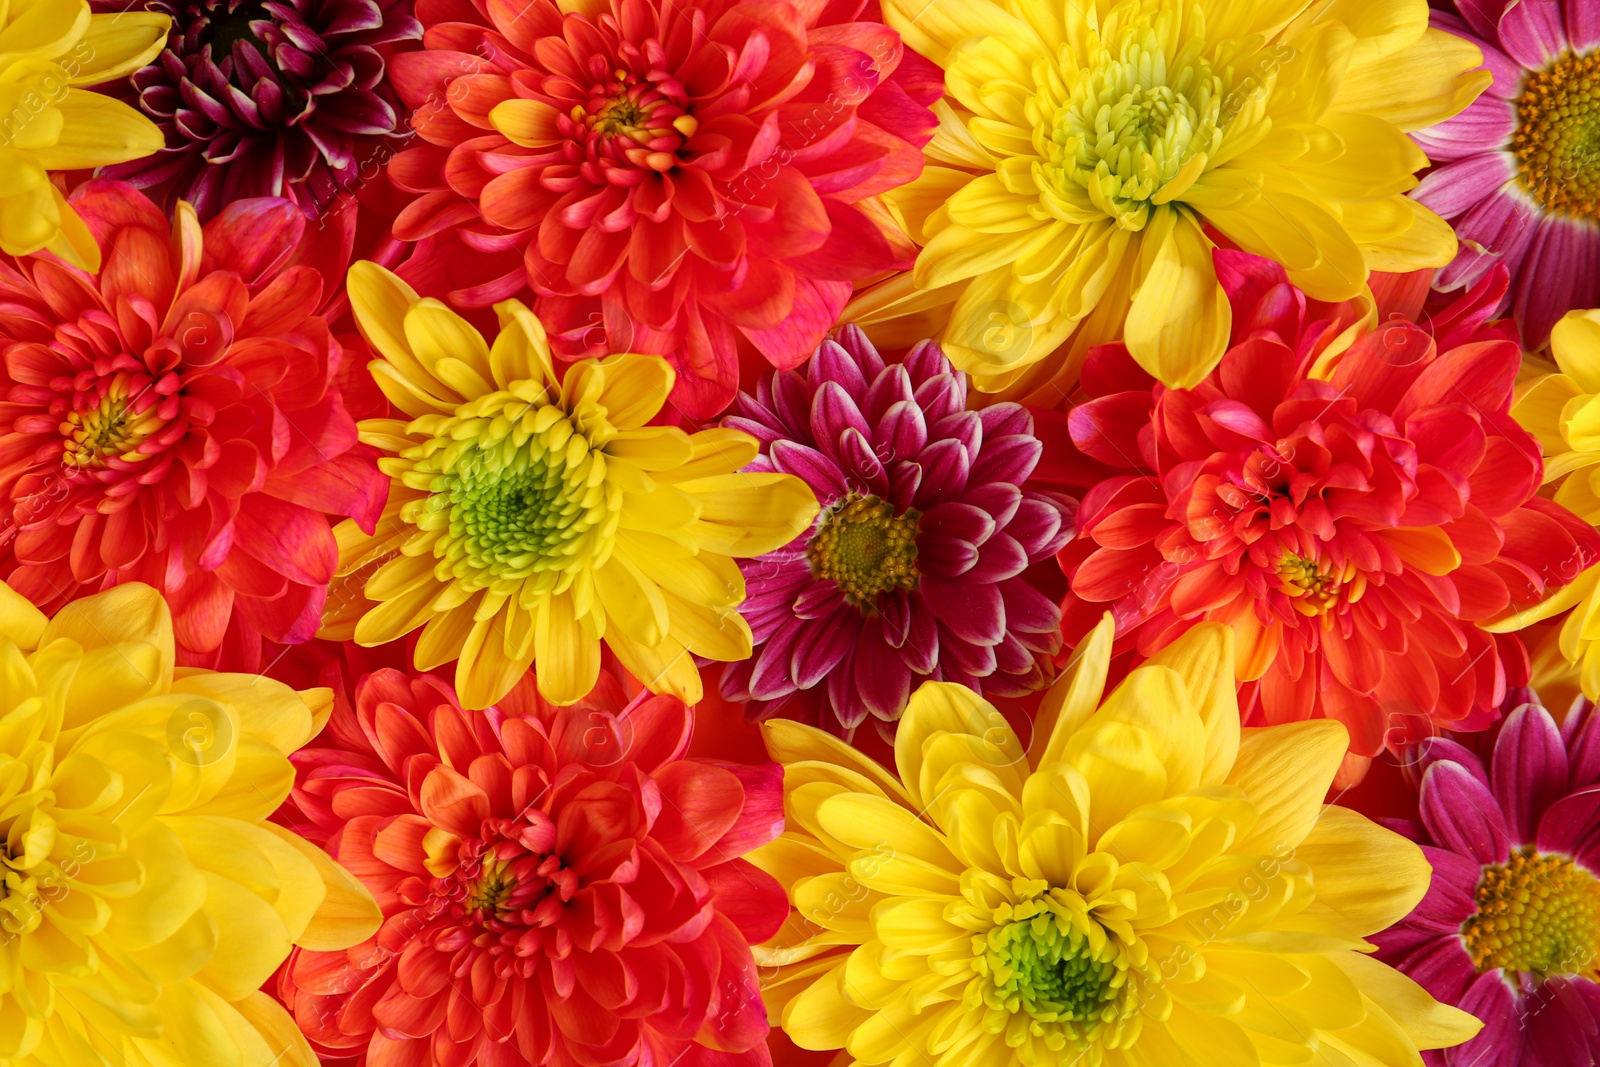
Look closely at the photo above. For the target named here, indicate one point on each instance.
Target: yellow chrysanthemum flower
(532, 517)
(1085, 149)
(50, 47)
(1147, 884)
(145, 897)
(1562, 410)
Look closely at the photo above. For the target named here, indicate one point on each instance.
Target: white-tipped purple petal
(881, 675)
(999, 499)
(1003, 420)
(941, 396)
(944, 557)
(1036, 526)
(1529, 770)
(1572, 826)
(921, 650)
(1462, 815)
(1027, 609)
(1483, 126)
(1560, 272)
(1001, 557)
(901, 433)
(812, 467)
(832, 413)
(892, 387)
(1008, 460)
(945, 466)
(855, 343)
(963, 426)
(863, 465)
(974, 613)
(822, 648)
(959, 520)
(926, 361)
(832, 363)
(1498, 230)
(1580, 733)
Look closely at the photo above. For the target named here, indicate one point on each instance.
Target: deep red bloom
(176, 421)
(1350, 515)
(681, 179)
(560, 886)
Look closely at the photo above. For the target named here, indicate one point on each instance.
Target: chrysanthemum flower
(144, 898)
(1144, 884)
(533, 516)
(1563, 412)
(174, 420)
(560, 886)
(682, 179)
(278, 98)
(1510, 928)
(47, 123)
(1520, 168)
(1351, 523)
(1085, 152)
(914, 570)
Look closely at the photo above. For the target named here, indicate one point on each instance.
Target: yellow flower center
(491, 888)
(515, 492)
(1048, 966)
(1537, 914)
(1557, 142)
(1314, 587)
(1135, 129)
(111, 428)
(866, 548)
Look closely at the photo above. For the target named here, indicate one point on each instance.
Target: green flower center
(1048, 960)
(1537, 914)
(1557, 141)
(515, 493)
(1135, 130)
(226, 27)
(866, 548)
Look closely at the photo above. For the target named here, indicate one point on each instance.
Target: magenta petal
(881, 675)
(1529, 770)
(1496, 231)
(1583, 24)
(1572, 826)
(1028, 610)
(1485, 125)
(921, 649)
(832, 363)
(1533, 33)
(1559, 273)
(974, 613)
(1559, 1026)
(773, 676)
(1580, 733)
(1441, 966)
(823, 646)
(1482, 15)
(1462, 815)
(1455, 188)
(1490, 999)
(811, 467)
(1433, 749)
(1451, 891)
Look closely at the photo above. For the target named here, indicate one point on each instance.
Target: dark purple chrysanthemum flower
(260, 99)
(914, 569)
(1510, 928)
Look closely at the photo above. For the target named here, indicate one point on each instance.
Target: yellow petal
(1074, 696)
(1178, 327)
(566, 649)
(1285, 772)
(1371, 876)
(946, 707)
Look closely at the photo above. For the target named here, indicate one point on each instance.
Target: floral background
(628, 533)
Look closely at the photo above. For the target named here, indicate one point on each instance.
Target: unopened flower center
(229, 21)
(866, 548)
(1537, 914)
(1134, 130)
(112, 425)
(1557, 141)
(1053, 963)
(1313, 586)
(514, 493)
(631, 119)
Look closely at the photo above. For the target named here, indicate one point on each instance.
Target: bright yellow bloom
(532, 517)
(1084, 146)
(1147, 884)
(1562, 410)
(47, 49)
(145, 896)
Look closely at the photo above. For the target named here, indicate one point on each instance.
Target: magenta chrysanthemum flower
(1518, 171)
(283, 98)
(914, 568)
(1510, 928)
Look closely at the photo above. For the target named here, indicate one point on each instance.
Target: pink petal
(1533, 33)
(1583, 24)
(1456, 187)
(1529, 770)
(1559, 273)
(1498, 230)
(1487, 123)
(1462, 815)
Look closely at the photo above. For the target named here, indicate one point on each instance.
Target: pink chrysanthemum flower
(559, 886)
(177, 420)
(1510, 928)
(1519, 170)
(688, 180)
(914, 569)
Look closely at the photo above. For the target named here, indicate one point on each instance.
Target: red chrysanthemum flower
(680, 179)
(176, 420)
(560, 886)
(1350, 514)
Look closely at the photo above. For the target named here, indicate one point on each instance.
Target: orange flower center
(124, 417)
(652, 123)
(1537, 914)
(1314, 588)
(1557, 142)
